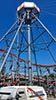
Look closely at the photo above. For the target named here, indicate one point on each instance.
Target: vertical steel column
(29, 58)
(29, 51)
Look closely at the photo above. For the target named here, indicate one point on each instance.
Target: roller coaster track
(22, 60)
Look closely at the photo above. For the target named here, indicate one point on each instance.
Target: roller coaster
(26, 40)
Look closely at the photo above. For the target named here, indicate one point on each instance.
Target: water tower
(27, 15)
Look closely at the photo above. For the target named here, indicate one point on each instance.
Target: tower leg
(12, 43)
(29, 58)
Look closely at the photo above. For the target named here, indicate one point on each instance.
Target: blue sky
(47, 15)
(8, 13)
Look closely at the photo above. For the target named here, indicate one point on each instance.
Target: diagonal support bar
(12, 43)
(8, 31)
(44, 27)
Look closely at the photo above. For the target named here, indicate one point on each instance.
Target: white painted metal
(24, 93)
(28, 5)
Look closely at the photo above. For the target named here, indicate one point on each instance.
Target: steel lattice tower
(24, 41)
